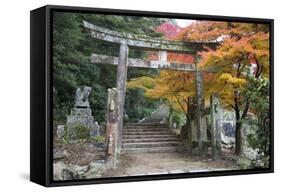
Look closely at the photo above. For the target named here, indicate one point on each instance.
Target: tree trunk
(184, 132)
(238, 138)
(188, 128)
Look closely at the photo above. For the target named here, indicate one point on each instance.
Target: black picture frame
(41, 133)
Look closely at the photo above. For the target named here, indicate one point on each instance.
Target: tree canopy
(72, 47)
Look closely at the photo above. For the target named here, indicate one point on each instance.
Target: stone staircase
(149, 138)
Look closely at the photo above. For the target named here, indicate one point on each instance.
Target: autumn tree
(174, 87)
(243, 52)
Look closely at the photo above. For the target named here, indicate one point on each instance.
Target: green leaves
(257, 91)
(72, 47)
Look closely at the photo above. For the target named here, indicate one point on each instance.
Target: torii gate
(125, 41)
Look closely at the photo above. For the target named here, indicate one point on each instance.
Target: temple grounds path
(166, 163)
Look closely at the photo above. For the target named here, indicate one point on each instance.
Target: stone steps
(149, 138)
(153, 150)
(152, 144)
(143, 140)
(145, 125)
(145, 129)
(164, 132)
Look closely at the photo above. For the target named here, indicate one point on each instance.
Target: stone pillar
(95, 130)
(111, 129)
(80, 121)
(201, 130)
(216, 126)
(60, 131)
(189, 124)
(121, 89)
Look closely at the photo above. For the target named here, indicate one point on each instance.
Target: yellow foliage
(228, 78)
(241, 45)
(143, 82)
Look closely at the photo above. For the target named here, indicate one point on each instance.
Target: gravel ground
(164, 163)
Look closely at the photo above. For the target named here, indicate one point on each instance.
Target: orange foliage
(240, 46)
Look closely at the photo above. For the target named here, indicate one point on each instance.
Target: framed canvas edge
(49, 182)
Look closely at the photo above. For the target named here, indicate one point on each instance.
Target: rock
(227, 142)
(251, 153)
(89, 145)
(158, 116)
(100, 161)
(64, 171)
(244, 163)
(96, 170)
(67, 175)
(95, 130)
(79, 170)
(58, 155)
(57, 170)
(100, 145)
(60, 131)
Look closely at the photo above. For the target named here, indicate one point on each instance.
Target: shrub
(82, 132)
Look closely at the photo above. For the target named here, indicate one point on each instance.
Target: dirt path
(158, 115)
(164, 163)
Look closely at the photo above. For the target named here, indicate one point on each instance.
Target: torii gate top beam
(145, 42)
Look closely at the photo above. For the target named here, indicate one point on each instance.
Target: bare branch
(182, 107)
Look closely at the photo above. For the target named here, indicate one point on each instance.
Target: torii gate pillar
(121, 89)
(216, 126)
(201, 129)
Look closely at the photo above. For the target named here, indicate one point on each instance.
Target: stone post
(81, 116)
(111, 129)
(216, 126)
(121, 89)
(201, 130)
(60, 131)
(189, 125)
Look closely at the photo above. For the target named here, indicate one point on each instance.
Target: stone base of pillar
(195, 148)
(79, 117)
(204, 149)
(216, 152)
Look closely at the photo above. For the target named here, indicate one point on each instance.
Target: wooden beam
(146, 42)
(104, 59)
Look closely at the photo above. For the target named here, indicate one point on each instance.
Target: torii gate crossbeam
(145, 42)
